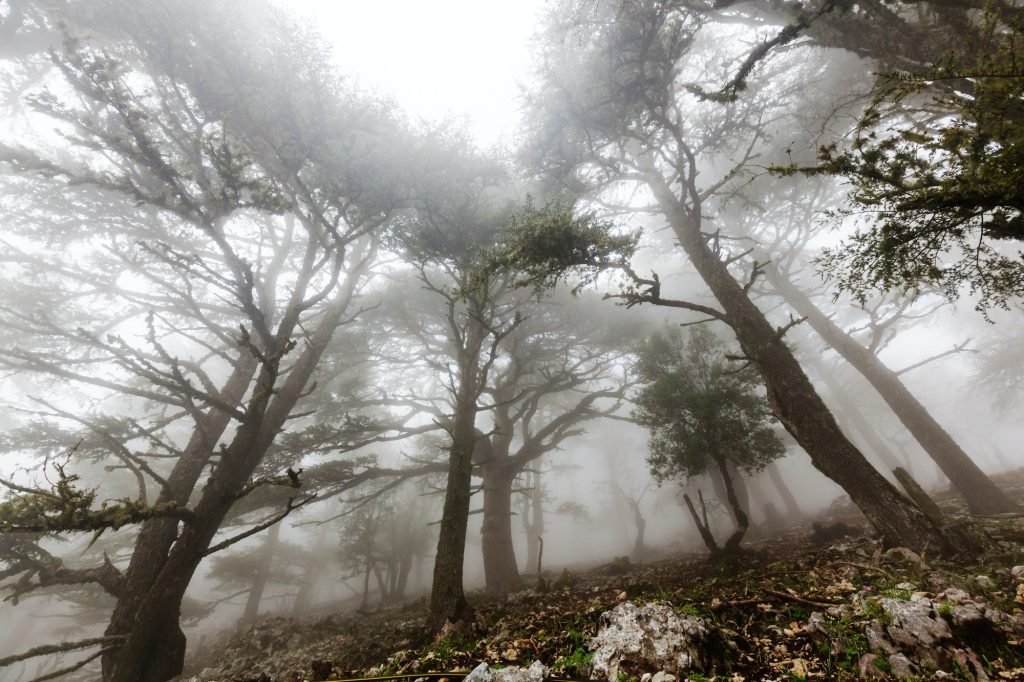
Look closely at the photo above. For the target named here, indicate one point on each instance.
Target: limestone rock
(650, 637)
(483, 673)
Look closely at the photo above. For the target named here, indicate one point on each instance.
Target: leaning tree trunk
(982, 495)
(147, 612)
(856, 418)
(792, 397)
(144, 655)
(157, 536)
(500, 573)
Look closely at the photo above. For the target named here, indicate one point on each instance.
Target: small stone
(1017, 571)
(481, 673)
(868, 670)
(877, 640)
(535, 673)
(984, 582)
(901, 667)
(816, 624)
(906, 587)
(622, 596)
(903, 554)
(662, 676)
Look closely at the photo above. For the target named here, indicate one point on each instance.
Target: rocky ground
(794, 606)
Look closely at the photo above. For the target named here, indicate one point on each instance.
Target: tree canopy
(701, 407)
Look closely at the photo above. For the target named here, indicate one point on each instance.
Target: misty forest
(625, 340)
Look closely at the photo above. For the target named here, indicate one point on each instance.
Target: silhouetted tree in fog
(704, 412)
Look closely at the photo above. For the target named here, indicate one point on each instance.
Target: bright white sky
(436, 57)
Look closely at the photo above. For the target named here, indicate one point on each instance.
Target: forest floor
(788, 608)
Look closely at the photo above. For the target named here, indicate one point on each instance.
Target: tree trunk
(259, 582)
(402, 583)
(157, 536)
(311, 569)
(738, 512)
(792, 397)
(856, 418)
(447, 599)
(500, 573)
(533, 521)
(982, 495)
(148, 611)
(639, 550)
(701, 521)
(793, 510)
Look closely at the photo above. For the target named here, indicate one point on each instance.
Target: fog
(286, 330)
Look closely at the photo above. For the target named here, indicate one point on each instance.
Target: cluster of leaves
(700, 407)
(549, 244)
(944, 178)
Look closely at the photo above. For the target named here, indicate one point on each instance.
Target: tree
(563, 367)
(615, 114)
(783, 228)
(222, 239)
(462, 202)
(940, 176)
(703, 413)
(935, 158)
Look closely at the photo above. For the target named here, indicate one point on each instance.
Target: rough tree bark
(500, 568)
(855, 417)
(447, 598)
(792, 396)
(982, 495)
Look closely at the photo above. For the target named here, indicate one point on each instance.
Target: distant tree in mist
(705, 412)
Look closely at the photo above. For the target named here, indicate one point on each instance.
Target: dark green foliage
(546, 245)
(701, 407)
(939, 160)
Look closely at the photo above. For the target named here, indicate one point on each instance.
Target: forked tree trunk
(157, 536)
(147, 613)
(792, 397)
(146, 655)
(732, 545)
(701, 521)
(982, 495)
